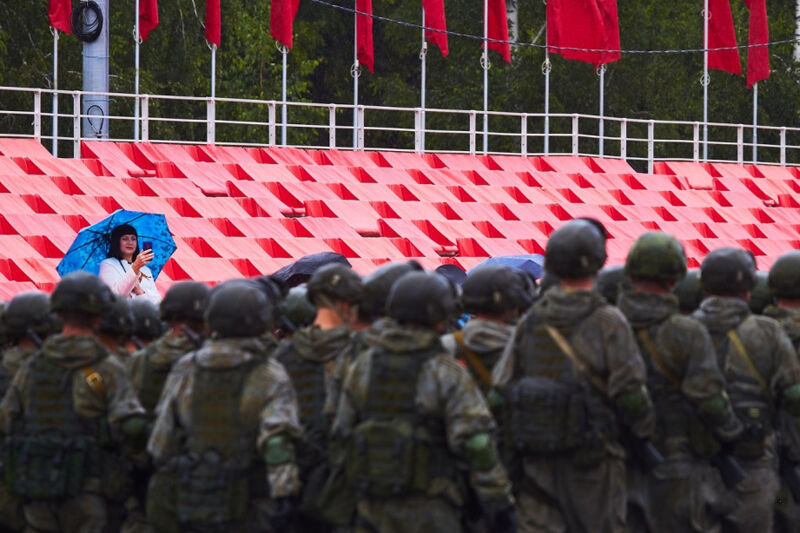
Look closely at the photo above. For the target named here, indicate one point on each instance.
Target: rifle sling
(473, 360)
(751, 366)
(580, 366)
(655, 355)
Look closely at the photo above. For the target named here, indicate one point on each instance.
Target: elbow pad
(481, 452)
(279, 450)
(135, 427)
(634, 405)
(715, 411)
(791, 399)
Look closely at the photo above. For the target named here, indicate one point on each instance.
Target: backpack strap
(580, 366)
(473, 360)
(740, 349)
(655, 355)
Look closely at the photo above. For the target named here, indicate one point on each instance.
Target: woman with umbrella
(125, 270)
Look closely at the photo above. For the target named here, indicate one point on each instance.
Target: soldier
(310, 357)
(62, 413)
(182, 309)
(760, 296)
(114, 330)
(611, 282)
(762, 374)
(226, 425)
(296, 311)
(147, 324)
(571, 372)
(688, 392)
(409, 415)
(689, 292)
(495, 297)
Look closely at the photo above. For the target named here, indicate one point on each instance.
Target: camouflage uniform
(789, 320)
(114, 403)
(555, 494)
(152, 365)
(486, 339)
(13, 359)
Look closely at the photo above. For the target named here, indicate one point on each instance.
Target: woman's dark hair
(116, 234)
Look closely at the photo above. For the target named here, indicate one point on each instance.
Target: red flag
(586, 24)
(758, 57)
(435, 19)
(281, 20)
(498, 28)
(366, 55)
(60, 15)
(721, 34)
(148, 17)
(213, 22)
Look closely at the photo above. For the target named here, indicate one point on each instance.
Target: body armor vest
(308, 379)
(153, 379)
(5, 379)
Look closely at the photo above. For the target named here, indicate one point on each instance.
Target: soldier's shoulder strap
(473, 360)
(655, 356)
(580, 366)
(741, 351)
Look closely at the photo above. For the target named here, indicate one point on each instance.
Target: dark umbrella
(302, 269)
(530, 263)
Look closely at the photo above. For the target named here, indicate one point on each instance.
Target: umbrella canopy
(302, 269)
(530, 263)
(92, 243)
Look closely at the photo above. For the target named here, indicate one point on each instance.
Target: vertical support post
(575, 134)
(332, 126)
(355, 71)
(755, 123)
(76, 124)
(137, 42)
(210, 121)
(213, 71)
(284, 52)
(705, 81)
(361, 126)
(472, 133)
(145, 118)
(623, 139)
(523, 134)
(651, 133)
(271, 123)
(740, 144)
(55, 92)
(486, 66)
(37, 115)
(423, 58)
(601, 127)
(783, 147)
(696, 141)
(418, 131)
(95, 101)
(546, 68)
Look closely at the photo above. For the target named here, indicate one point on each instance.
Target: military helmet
(376, 287)
(238, 308)
(760, 295)
(422, 298)
(185, 301)
(612, 281)
(656, 256)
(728, 271)
(575, 250)
(335, 281)
(28, 311)
(81, 292)
(784, 276)
(297, 309)
(147, 324)
(547, 282)
(496, 289)
(117, 321)
(689, 291)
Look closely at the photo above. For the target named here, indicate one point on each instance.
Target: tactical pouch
(210, 490)
(752, 444)
(701, 440)
(546, 416)
(46, 466)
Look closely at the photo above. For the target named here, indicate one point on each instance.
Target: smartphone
(147, 245)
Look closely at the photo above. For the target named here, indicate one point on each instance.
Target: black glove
(280, 518)
(503, 520)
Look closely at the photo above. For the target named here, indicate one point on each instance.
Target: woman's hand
(144, 257)
(137, 290)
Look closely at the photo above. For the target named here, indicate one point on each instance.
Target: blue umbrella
(530, 263)
(91, 245)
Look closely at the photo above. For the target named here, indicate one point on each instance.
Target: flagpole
(423, 61)
(355, 74)
(55, 91)
(284, 52)
(546, 67)
(213, 71)
(601, 131)
(755, 123)
(485, 76)
(706, 80)
(136, 77)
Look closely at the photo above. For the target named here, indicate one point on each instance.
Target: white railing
(248, 122)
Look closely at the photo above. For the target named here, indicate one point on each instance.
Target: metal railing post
(271, 120)
(783, 146)
(76, 124)
(696, 141)
(740, 143)
(472, 122)
(332, 127)
(361, 126)
(418, 131)
(145, 118)
(210, 121)
(37, 115)
(651, 133)
(575, 133)
(523, 135)
(623, 139)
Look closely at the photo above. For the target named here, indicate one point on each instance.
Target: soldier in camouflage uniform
(182, 308)
(226, 426)
(689, 292)
(296, 311)
(147, 324)
(495, 297)
(114, 330)
(762, 374)
(571, 372)
(784, 285)
(688, 392)
(611, 282)
(410, 417)
(760, 296)
(58, 437)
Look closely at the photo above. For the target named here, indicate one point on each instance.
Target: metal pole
(136, 76)
(55, 93)
(355, 80)
(95, 108)
(705, 81)
(755, 123)
(546, 67)
(601, 131)
(285, 52)
(423, 62)
(213, 71)
(485, 76)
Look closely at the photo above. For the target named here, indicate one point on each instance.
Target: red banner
(213, 22)
(757, 56)
(281, 20)
(435, 19)
(584, 25)
(148, 17)
(60, 14)
(498, 28)
(366, 54)
(721, 34)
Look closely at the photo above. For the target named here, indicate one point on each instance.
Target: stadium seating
(247, 211)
